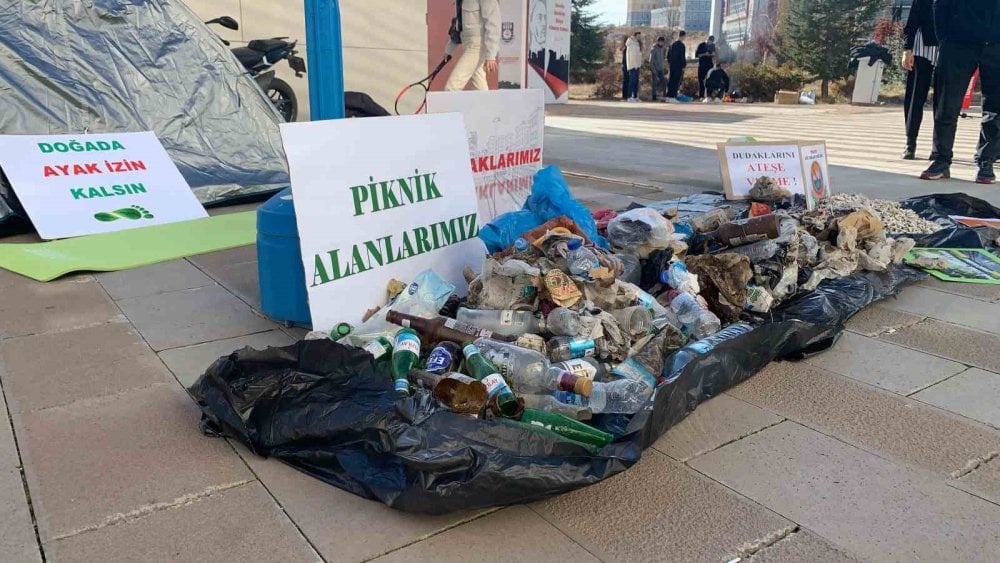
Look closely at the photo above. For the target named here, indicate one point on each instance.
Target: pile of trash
(578, 342)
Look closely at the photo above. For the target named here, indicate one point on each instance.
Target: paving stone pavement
(886, 447)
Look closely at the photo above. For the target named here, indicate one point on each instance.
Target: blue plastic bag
(550, 198)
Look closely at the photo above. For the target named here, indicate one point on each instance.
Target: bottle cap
(583, 386)
(573, 244)
(520, 245)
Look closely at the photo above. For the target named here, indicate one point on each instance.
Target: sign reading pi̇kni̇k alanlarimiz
(378, 199)
(73, 185)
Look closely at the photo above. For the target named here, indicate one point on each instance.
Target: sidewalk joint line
(486, 512)
(146, 510)
(22, 473)
(748, 550)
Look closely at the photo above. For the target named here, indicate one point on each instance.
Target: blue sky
(611, 11)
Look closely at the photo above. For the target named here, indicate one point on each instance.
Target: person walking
(478, 22)
(633, 59)
(968, 33)
(705, 53)
(657, 60)
(677, 59)
(716, 85)
(919, 57)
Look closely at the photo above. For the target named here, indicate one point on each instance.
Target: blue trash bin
(283, 294)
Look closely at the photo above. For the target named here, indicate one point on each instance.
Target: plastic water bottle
(624, 396)
(681, 358)
(562, 348)
(548, 403)
(697, 321)
(529, 371)
(585, 367)
(635, 321)
(504, 323)
(678, 277)
(580, 259)
(563, 322)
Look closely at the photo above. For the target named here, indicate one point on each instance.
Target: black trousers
(957, 62)
(918, 85)
(674, 82)
(625, 92)
(702, 73)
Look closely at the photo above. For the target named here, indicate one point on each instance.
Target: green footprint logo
(133, 213)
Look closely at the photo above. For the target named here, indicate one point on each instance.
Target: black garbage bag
(940, 208)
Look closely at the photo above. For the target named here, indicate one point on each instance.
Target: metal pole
(324, 49)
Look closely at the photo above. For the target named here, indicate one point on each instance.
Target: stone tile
(341, 525)
(802, 546)
(875, 320)
(983, 482)
(17, 535)
(512, 534)
(238, 524)
(949, 307)
(150, 280)
(974, 394)
(214, 261)
(985, 292)
(241, 279)
(94, 459)
(869, 506)
(716, 422)
(46, 370)
(970, 347)
(884, 365)
(873, 419)
(31, 307)
(189, 363)
(297, 333)
(657, 510)
(193, 316)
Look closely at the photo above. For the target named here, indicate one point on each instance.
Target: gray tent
(96, 66)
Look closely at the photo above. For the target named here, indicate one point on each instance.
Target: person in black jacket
(716, 84)
(969, 36)
(919, 57)
(705, 53)
(677, 59)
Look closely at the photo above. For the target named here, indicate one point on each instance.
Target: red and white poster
(548, 48)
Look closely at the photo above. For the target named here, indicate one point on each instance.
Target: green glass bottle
(340, 331)
(379, 348)
(405, 355)
(496, 386)
(566, 427)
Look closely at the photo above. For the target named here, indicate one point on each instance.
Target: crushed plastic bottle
(625, 396)
(678, 277)
(636, 321)
(563, 322)
(580, 259)
(697, 321)
(528, 371)
(504, 323)
(681, 358)
(548, 403)
(562, 348)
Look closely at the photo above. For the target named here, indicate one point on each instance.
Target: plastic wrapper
(423, 297)
(111, 66)
(640, 227)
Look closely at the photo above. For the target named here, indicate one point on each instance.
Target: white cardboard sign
(798, 166)
(73, 185)
(379, 199)
(505, 131)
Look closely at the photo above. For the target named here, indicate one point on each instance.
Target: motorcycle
(259, 56)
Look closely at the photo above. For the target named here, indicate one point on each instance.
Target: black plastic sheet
(331, 412)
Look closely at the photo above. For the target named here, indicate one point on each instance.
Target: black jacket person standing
(919, 57)
(969, 35)
(677, 59)
(705, 53)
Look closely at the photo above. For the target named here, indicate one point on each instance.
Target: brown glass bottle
(738, 233)
(458, 392)
(442, 329)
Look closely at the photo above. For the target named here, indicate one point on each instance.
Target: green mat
(109, 252)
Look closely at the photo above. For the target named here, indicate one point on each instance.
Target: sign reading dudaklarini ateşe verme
(505, 130)
(73, 185)
(378, 199)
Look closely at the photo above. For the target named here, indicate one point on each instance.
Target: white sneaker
(669, 100)
(706, 101)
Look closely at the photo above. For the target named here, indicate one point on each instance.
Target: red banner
(967, 102)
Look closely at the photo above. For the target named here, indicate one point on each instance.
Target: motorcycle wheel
(283, 98)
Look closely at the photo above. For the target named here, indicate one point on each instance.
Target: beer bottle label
(408, 343)
(439, 360)
(376, 349)
(494, 384)
(467, 328)
(582, 348)
(579, 368)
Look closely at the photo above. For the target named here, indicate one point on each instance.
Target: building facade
(640, 12)
(696, 15)
(669, 17)
(739, 19)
